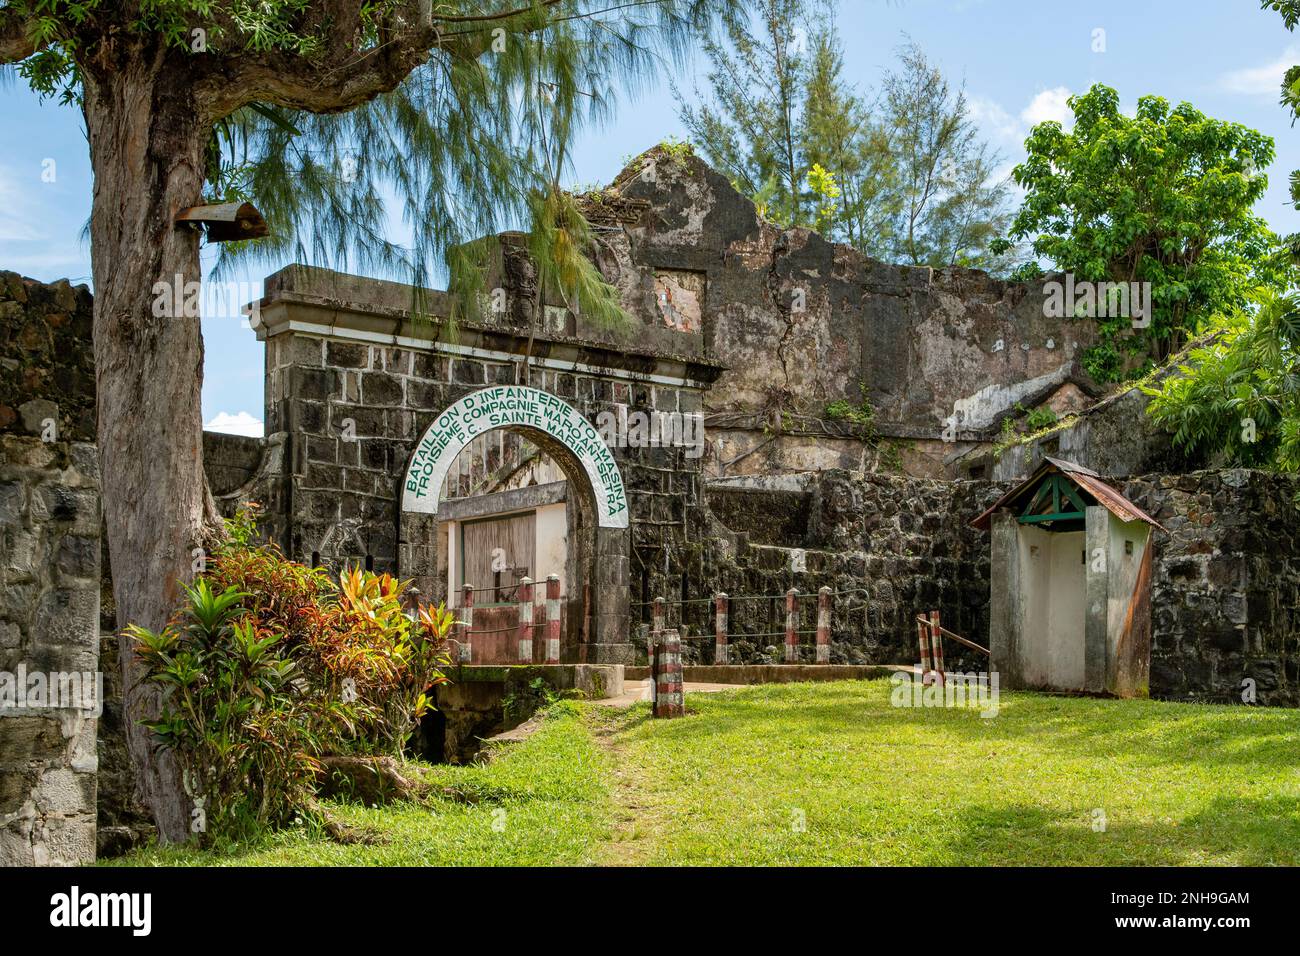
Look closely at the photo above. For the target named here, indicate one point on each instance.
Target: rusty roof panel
(1112, 500)
(1087, 479)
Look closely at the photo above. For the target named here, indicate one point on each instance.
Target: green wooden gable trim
(1063, 499)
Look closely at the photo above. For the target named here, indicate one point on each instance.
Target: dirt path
(637, 812)
(633, 821)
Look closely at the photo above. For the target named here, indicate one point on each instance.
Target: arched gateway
(596, 598)
(545, 418)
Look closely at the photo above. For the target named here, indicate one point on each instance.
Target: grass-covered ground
(832, 774)
(545, 803)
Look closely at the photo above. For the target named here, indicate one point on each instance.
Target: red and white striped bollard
(526, 621)
(791, 626)
(466, 624)
(721, 653)
(824, 626)
(669, 700)
(552, 619)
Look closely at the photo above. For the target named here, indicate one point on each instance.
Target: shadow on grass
(1259, 832)
(1148, 732)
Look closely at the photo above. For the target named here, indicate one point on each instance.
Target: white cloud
(1049, 105)
(238, 424)
(1264, 80)
(990, 117)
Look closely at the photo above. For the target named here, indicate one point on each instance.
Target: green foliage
(750, 130)
(825, 191)
(1237, 396)
(1163, 197)
(464, 148)
(475, 140)
(1031, 423)
(949, 208)
(524, 700)
(1290, 13)
(905, 178)
(554, 787)
(841, 410)
(1037, 418)
(676, 150)
(269, 665)
(59, 28)
(720, 788)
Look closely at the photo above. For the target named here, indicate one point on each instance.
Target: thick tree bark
(146, 143)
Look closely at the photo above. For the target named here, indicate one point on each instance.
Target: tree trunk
(146, 144)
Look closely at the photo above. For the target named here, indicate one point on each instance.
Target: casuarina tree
(460, 108)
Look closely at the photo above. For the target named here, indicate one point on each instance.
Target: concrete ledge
(774, 673)
(595, 681)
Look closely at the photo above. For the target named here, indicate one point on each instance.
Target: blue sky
(1019, 59)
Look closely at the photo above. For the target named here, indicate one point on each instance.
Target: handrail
(922, 619)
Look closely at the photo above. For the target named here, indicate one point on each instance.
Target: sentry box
(1070, 584)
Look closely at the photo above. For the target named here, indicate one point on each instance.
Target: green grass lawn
(544, 803)
(832, 774)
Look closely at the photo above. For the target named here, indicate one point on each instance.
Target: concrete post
(669, 699)
(657, 623)
(466, 623)
(824, 625)
(553, 619)
(791, 626)
(1096, 626)
(526, 621)
(720, 650)
(1006, 603)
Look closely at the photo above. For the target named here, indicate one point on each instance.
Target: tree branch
(407, 38)
(15, 44)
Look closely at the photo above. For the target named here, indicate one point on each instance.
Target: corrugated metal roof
(1087, 479)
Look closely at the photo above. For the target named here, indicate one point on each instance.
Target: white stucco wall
(1066, 612)
(1034, 555)
(1122, 570)
(1052, 590)
(552, 543)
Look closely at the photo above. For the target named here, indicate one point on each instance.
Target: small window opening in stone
(1128, 547)
(1083, 556)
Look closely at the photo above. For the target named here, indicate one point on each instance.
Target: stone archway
(595, 489)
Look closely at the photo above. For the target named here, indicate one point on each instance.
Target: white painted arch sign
(519, 406)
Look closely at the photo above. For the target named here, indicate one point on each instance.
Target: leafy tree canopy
(472, 138)
(1165, 197)
(1238, 395)
(901, 176)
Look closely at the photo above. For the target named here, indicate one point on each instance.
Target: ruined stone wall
(890, 546)
(352, 408)
(1115, 438)
(1225, 594)
(1226, 588)
(802, 323)
(49, 575)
